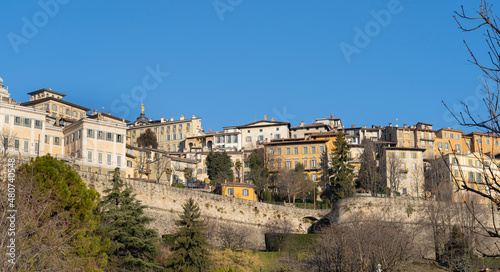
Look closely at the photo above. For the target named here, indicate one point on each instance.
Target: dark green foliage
(267, 196)
(178, 185)
(370, 178)
(147, 139)
(189, 252)
(133, 246)
(58, 195)
(260, 175)
(457, 254)
(219, 167)
(342, 171)
(297, 242)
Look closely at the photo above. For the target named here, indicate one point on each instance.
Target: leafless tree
(293, 184)
(160, 165)
(418, 178)
(393, 172)
(437, 182)
(361, 244)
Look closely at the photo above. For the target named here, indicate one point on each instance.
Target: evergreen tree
(59, 219)
(369, 173)
(133, 246)
(147, 139)
(189, 252)
(260, 175)
(219, 167)
(341, 170)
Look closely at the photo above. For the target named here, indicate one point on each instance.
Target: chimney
(390, 124)
(331, 116)
(272, 119)
(171, 118)
(301, 123)
(405, 125)
(109, 113)
(209, 131)
(150, 119)
(352, 125)
(265, 117)
(182, 117)
(50, 88)
(194, 116)
(162, 119)
(94, 112)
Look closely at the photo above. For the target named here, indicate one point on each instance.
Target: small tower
(4, 93)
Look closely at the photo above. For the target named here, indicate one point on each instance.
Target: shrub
(267, 196)
(238, 260)
(178, 185)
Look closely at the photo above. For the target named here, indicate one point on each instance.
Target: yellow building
(237, 190)
(287, 153)
(483, 142)
(471, 169)
(420, 135)
(171, 134)
(450, 140)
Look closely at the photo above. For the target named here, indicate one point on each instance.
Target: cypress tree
(189, 252)
(341, 170)
(133, 246)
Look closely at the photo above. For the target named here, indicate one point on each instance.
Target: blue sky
(233, 61)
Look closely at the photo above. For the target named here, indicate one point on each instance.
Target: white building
(260, 131)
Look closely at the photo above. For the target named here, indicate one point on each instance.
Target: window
(313, 163)
(38, 124)
(108, 158)
(400, 133)
(479, 141)
(26, 146)
(16, 144)
(304, 151)
(68, 112)
(471, 176)
(188, 126)
(313, 149)
(295, 150)
(278, 150)
(119, 138)
(403, 155)
(457, 147)
(415, 166)
(109, 136)
(174, 128)
(479, 177)
(304, 162)
(180, 126)
(404, 191)
(321, 149)
(288, 164)
(451, 135)
(175, 136)
(245, 192)
(488, 141)
(446, 146)
(180, 136)
(314, 177)
(57, 141)
(248, 139)
(119, 160)
(260, 130)
(7, 119)
(54, 107)
(155, 130)
(17, 120)
(89, 169)
(168, 137)
(277, 136)
(446, 134)
(414, 155)
(261, 138)
(99, 157)
(46, 139)
(235, 138)
(230, 191)
(89, 155)
(74, 114)
(478, 163)
(496, 143)
(27, 122)
(100, 135)
(90, 133)
(287, 151)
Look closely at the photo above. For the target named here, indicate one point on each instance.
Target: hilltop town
(99, 142)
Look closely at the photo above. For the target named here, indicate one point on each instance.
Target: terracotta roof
(310, 126)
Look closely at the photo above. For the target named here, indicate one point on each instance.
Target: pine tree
(219, 167)
(189, 252)
(133, 246)
(341, 170)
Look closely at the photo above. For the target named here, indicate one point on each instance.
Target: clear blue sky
(244, 59)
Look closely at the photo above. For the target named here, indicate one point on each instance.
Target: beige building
(403, 170)
(258, 132)
(171, 134)
(420, 135)
(49, 125)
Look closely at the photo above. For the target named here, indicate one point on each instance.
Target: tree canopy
(342, 171)
(219, 167)
(147, 139)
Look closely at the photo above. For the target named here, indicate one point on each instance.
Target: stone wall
(165, 203)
